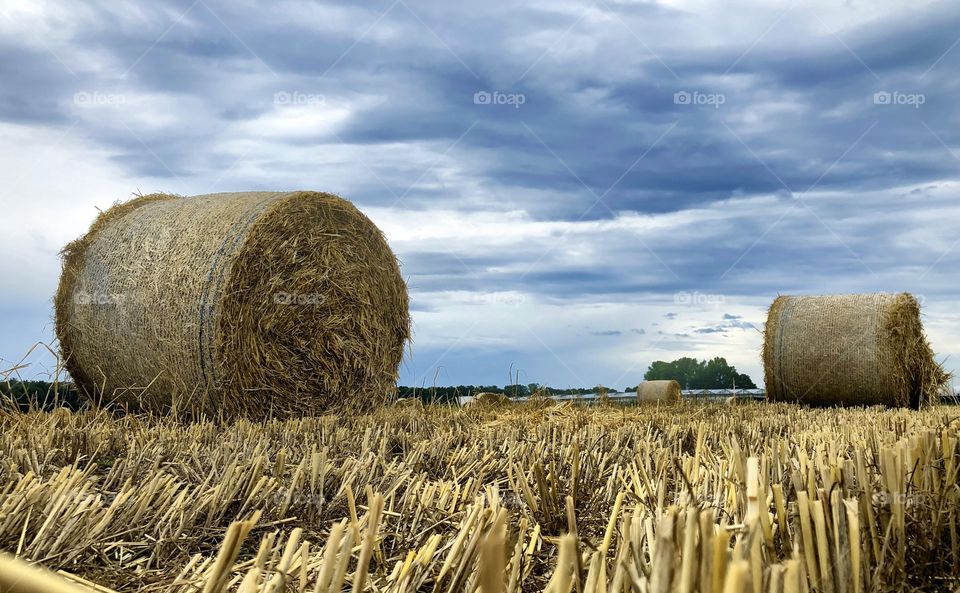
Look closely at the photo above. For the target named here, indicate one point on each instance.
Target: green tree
(38, 395)
(691, 373)
(685, 370)
(517, 390)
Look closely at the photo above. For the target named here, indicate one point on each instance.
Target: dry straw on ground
(861, 349)
(692, 498)
(666, 391)
(17, 576)
(253, 303)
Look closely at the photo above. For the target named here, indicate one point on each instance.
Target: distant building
(718, 395)
(722, 394)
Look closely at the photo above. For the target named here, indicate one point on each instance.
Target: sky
(574, 188)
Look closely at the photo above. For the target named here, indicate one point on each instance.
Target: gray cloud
(785, 187)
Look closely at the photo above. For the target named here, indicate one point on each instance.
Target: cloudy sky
(574, 188)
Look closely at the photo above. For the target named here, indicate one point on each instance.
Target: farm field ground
(679, 497)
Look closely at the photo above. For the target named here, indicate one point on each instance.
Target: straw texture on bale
(257, 303)
(650, 391)
(859, 349)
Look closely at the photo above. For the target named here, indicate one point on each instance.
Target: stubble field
(681, 497)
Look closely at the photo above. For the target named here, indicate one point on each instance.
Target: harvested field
(680, 497)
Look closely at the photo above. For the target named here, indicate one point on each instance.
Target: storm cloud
(557, 179)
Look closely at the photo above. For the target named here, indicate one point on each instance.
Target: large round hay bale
(859, 349)
(237, 303)
(658, 391)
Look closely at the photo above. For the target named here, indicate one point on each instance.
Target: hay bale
(487, 398)
(408, 403)
(237, 303)
(658, 391)
(540, 401)
(859, 349)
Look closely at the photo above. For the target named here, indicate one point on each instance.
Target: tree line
(39, 395)
(691, 373)
(451, 393)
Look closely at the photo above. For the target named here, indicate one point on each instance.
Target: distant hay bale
(540, 401)
(659, 391)
(408, 403)
(859, 349)
(487, 398)
(237, 303)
